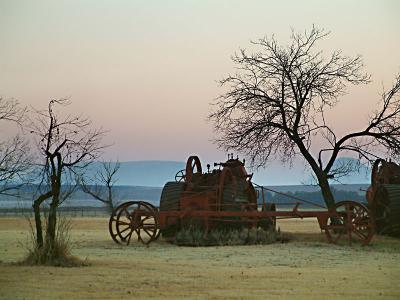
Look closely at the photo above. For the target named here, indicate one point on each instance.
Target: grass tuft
(53, 254)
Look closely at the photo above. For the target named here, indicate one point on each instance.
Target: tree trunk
(52, 219)
(326, 191)
(321, 175)
(38, 224)
(51, 224)
(110, 200)
(38, 221)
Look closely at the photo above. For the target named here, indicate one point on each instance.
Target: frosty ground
(304, 268)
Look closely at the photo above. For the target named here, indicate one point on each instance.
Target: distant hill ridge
(155, 173)
(151, 173)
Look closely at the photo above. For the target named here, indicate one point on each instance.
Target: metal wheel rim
(351, 219)
(134, 218)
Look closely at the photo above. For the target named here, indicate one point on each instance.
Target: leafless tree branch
(100, 187)
(11, 110)
(14, 153)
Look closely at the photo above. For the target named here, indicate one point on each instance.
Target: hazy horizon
(155, 173)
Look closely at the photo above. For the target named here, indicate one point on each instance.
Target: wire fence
(65, 211)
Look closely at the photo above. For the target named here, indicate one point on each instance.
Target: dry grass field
(305, 268)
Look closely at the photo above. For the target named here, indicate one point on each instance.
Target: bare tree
(67, 146)
(14, 152)
(15, 165)
(100, 187)
(274, 107)
(11, 110)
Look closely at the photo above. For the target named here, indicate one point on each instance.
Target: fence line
(65, 211)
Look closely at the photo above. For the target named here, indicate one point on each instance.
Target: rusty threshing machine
(383, 197)
(227, 197)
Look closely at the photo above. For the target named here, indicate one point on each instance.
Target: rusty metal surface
(383, 197)
(387, 209)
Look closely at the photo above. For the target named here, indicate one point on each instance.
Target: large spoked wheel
(352, 220)
(134, 220)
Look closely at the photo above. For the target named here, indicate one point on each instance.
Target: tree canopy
(275, 105)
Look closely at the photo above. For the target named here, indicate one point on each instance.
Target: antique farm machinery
(226, 197)
(383, 197)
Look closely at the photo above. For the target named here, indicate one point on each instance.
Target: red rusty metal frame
(347, 218)
(143, 220)
(247, 216)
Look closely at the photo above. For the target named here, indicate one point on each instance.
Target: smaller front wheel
(351, 220)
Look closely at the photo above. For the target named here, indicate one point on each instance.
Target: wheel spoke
(119, 231)
(360, 234)
(123, 223)
(138, 235)
(150, 235)
(130, 232)
(127, 214)
(127, 228)
(129, 239)
(146, 218)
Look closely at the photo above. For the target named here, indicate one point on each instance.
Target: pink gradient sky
(147, 70)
